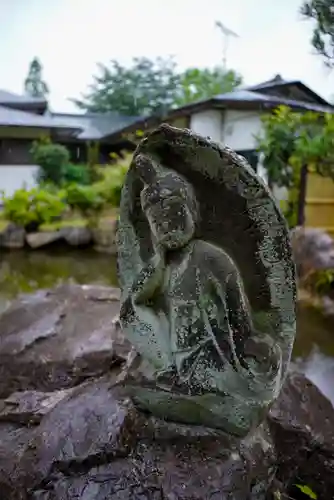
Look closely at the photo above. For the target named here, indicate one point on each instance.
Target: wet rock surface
(301, 423)
(104, 236)
(57, 339)
(77, 236)
(12, 237)
(42, 239)
(67, 432)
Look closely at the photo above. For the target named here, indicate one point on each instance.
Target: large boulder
(56, 339)
(43, 238)
(77, 236)
(95, 445)
(301, 423)
(104, 236)
(89, 442)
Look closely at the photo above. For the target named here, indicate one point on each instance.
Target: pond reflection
(24, 272)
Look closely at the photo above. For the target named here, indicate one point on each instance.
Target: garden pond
(24, 272)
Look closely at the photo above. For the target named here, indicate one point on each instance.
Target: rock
(43, 238)
(94, 444)
(104, 236)
(12, 237)
(91, 443)
(56, 339)
(313, 250)
(301, 423)
(29, 407)
(77, 236)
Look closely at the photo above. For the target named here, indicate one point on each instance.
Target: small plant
(30, 209)
(320, 282)
(324, 281)
(307, 491)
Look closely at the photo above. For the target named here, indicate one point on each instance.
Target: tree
(322, 12)
(146, 87)
(34, 85)
(293, 143)
(199, 84)
(153, 87)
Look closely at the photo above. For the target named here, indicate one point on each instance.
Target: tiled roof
(10, 98)
(15, 118)
(96, 126)
(244, 95)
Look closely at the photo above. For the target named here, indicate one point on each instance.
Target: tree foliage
(34, 85)
(147, 87)
(199, 84)
(292, 140)
(322, 12)
(153, 87)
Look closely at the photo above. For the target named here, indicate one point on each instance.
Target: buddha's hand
(149, 280)
(263, 355)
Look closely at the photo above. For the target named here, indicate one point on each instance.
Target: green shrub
(85, 199)
(53, 160)
(79, 174)
(112, 180)
(30, 209)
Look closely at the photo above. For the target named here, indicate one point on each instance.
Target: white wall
(13, 177)
(208, 123)
(236, 129)
(239, 129)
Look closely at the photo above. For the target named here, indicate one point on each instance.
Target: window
(15, 152)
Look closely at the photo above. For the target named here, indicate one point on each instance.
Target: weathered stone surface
(104, 236)
(208, 285)
(77, 236)
(313, 250)
(43, 238)
(12, 237)
(301, 423)
(28, 407)
(93, 444)
(56, 339)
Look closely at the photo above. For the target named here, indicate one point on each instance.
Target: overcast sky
(71, 36)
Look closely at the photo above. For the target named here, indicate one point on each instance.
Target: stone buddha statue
(209, 356)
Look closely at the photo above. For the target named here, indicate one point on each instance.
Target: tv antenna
(227, 33)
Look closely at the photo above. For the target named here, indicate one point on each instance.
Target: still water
(29, 271)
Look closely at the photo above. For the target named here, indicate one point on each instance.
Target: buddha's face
(171, 222)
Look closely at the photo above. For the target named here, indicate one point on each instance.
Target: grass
(56, 226)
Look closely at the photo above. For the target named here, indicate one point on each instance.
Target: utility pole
(227, 33)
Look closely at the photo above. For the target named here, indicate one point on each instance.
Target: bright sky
(71, 36)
